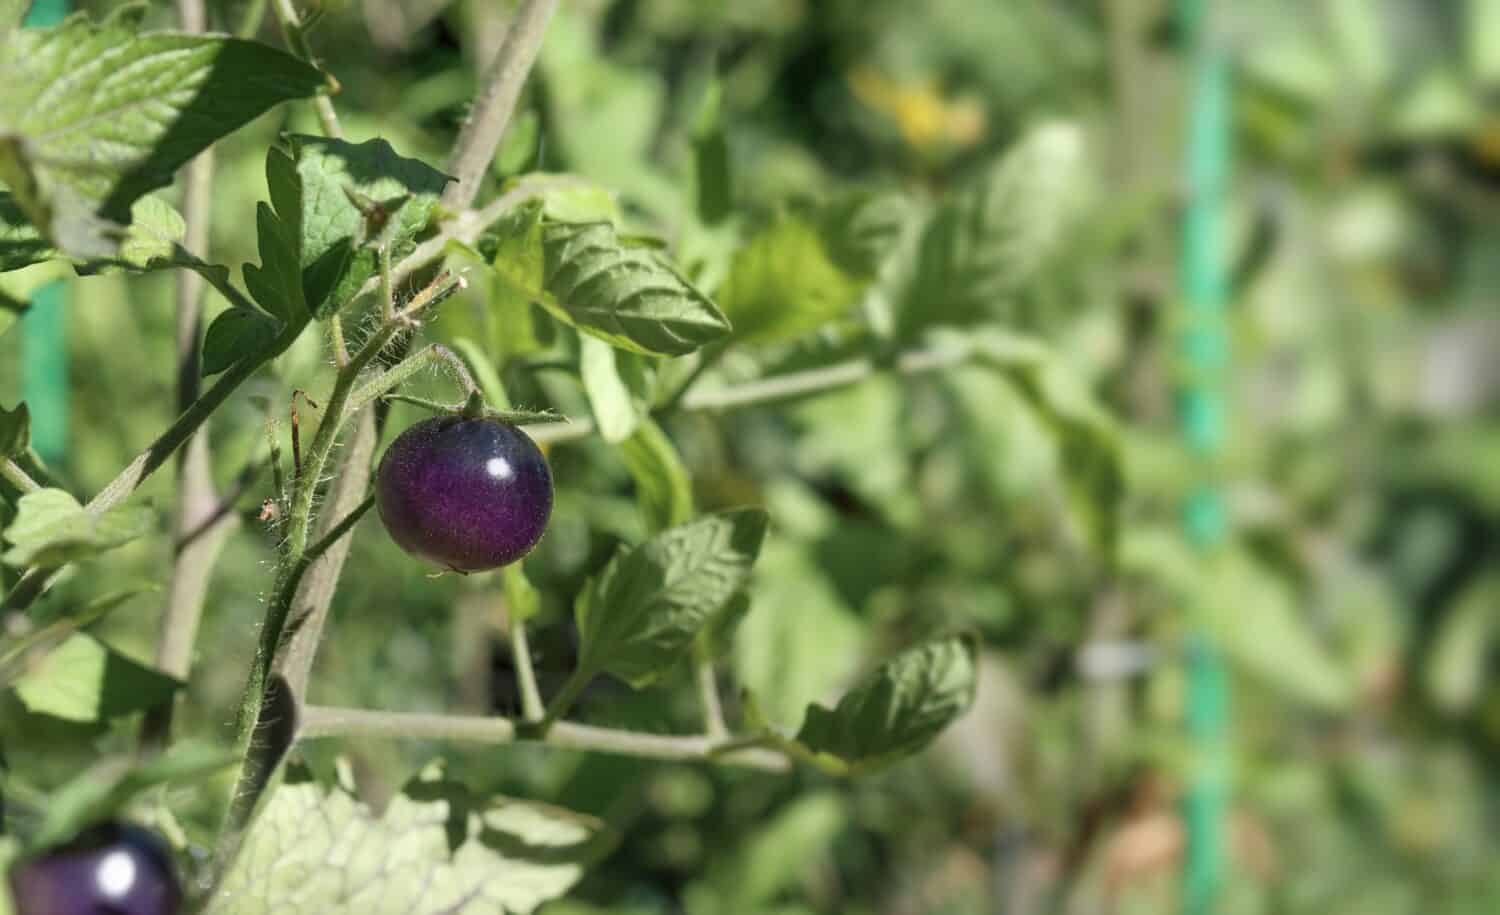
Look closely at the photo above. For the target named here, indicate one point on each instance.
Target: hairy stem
(482, 132)
(17, 476)
(324, 722)
(310, 608)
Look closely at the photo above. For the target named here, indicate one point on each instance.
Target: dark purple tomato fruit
(112, 869)
(466, 494)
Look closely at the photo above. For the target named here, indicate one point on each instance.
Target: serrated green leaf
(783, 283)
(436, 850)
(663, 488)
(234, 334)
(15, 430)
(639, 615)
(586, 275)
(897, 710)
(107, 788)
(990, 239)
(95, 115)
(85, 680)
(615, 411)
(330, 232)
(276, 285)
(52, 529)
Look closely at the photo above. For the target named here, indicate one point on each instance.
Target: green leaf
(85, 680)
(331, 234)
(639, 615)
(276, 285)
(52, 529)
(9, 850)
(1455, 666)
(615, 411)
(1252, 615)
(95, 115)
(628, 295)
(1090, 456)
(862, 228)
(107, 788)
(436, 850)
(1483, 31)
(897, 710)
(784, 283)
(800, 641)
(17, 654)
(21, 244)
(662, 486)
(15, 430)
(234, 334)
(990, 239)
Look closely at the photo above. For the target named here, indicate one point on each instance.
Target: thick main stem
(197, 502)
(507, 73)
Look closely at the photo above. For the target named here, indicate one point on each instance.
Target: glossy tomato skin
(464, 494)
(112, 869)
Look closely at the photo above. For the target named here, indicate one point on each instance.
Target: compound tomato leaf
(331, 233)
(52, 529)
(437, 848)
(639, 615)
(896, 711)
(96, 114)
(85, 680)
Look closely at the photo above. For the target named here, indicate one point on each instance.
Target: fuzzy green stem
(18, 477)
(325, 722)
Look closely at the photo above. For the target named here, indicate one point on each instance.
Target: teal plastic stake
(1204, 412)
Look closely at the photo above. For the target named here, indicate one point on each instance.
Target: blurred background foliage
(1359, 603)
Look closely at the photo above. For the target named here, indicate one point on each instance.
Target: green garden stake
(44, 345)
(1204, 409)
